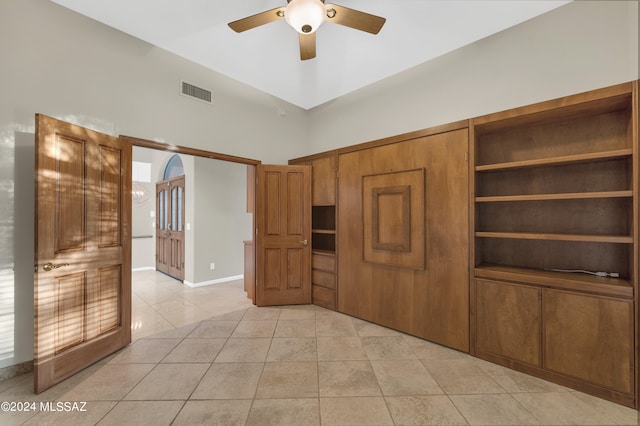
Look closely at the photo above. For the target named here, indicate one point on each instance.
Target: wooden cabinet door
(508, 321)
(324, 181)
(283, 240)
(589, 337)
(83, 249)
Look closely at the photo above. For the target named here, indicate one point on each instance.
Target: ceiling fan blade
(253, 21)
(354, 18)
(307, 46)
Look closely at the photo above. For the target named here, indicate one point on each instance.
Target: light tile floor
(207, 356)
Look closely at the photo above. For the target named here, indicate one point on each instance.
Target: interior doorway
(206, 217)
(216, 221)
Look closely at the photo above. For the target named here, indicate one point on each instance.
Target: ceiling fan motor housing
(305, 16)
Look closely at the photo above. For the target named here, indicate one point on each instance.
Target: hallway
(160, 303)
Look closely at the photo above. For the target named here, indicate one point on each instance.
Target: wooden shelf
(559, 196)
(557, 161)
(324, 231)
(617, 287)
(616, 239)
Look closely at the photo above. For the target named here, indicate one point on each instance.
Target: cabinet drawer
(323, 263)
(324, 297)
(323, 279)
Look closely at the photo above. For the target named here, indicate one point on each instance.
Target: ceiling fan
(305, 16)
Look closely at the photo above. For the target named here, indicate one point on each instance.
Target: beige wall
(221, 222)
(62, 64)
(581, 46)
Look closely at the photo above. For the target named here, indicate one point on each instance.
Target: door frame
(177, 149)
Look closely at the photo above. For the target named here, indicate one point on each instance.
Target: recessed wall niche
(393, 218)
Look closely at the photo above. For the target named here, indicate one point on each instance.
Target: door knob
(304, 242)
(50, 266)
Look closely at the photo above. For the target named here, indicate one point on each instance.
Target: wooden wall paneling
(446, 297)
(430, 303)
(354, 282)
(394, 218)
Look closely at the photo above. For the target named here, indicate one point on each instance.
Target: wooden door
(170, 227)
(283, 248)
(83, 249)
(162, 227)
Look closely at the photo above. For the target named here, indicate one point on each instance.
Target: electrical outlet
(212, 266)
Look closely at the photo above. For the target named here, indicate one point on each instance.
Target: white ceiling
(268, 59)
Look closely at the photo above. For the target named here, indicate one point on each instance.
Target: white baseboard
(144, 268)
(218, 281)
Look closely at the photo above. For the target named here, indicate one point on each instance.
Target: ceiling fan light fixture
(305, 16)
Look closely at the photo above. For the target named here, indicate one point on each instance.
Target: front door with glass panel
(170, 227)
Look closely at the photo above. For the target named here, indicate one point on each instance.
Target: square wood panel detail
(393, 218)
(391, 210)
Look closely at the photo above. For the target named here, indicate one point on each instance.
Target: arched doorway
(170, 204)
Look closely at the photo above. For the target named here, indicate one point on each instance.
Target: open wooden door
(170, 227)
(83, 249)
(283, 240)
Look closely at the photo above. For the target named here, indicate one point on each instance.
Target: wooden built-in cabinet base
(580, 340)
(323, 279)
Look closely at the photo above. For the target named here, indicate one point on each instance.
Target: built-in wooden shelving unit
(555, 202)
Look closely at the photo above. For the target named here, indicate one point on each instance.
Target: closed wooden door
(162, 225)
(83, 249)
(283, 246)
(170, 227)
